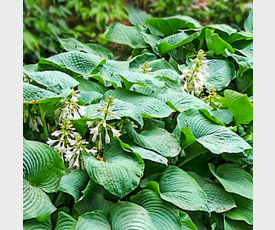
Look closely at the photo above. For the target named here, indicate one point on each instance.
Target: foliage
(46, 20)
(205, 11)
(162, 140)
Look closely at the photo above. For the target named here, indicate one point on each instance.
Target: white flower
(116, 133)
(51, 142)
(107, 137)
(100, 142)
(144, 68)
(194, 79)
(82, 111)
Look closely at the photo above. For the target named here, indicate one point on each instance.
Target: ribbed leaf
(55, 81)
(34, 93)
(149, 106)
(218, 139)
(243, 211)
(218, 200)
(37, 225)
(130, 216)
(74, 61)
(65, 222)
(74, 183)
(120, 174)
(182, 190)
(164, 215)
(149, 155)
(71, 44)
(223, 27)
(36, 203)
(140, 79)
(220, 74)
(93, 220)
(234, 179)
(171, 25)
(182, 101)
(156, 139)
(122, 109)
(42, 171)
(126, 35)
(240, 106)
(94, 198)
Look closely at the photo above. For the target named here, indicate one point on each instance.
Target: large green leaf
(217, 138)
(243, 211)
(42, 171)
(126, 35)
(150, 107)
(71, 44)
(90, 91)
(216, 43)
(234, 179)
(130, 216)
(34, 93)
(182, 190)
(164, 215)
(245, 61)
(174, 41)
(77, 62)
(74, 183)
(224, 115)
(55, 81)
(94, 198)
(137, 16)
(37, 225)
(149, 155)
(220, 74)
(218, 200)
(180, 102)
(93, 220)
(223, 27)
(156, 139)
(109, 72)
(140, 79)
(248, 24)
(171, 25)
(240, 106)
(120, 174)
(121, 108)
(65, 222)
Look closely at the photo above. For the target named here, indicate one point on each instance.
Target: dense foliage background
(159, 137)
(86, 20)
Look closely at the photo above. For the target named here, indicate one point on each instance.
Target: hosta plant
(162, 140)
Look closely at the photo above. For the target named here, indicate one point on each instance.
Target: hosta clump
(162, 140)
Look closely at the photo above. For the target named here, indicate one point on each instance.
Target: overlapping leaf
(42, 171)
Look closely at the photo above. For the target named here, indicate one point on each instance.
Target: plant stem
(45, 129)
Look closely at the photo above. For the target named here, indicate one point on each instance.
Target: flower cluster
(70, 143)
(211, 97)
(194, 79)
(100, 128)
(145, 68)
(32, 116)
(71, 108)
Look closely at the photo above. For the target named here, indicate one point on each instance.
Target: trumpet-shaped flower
(193, 80)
